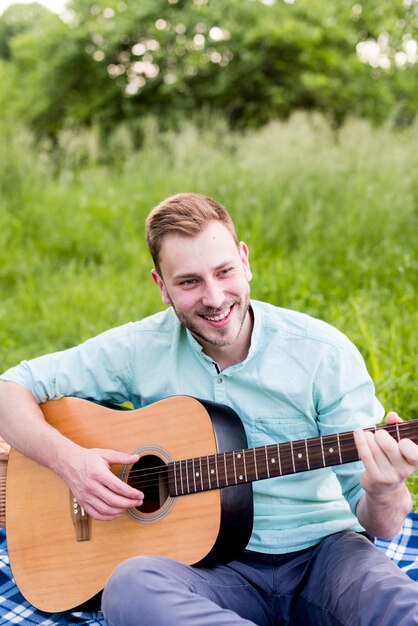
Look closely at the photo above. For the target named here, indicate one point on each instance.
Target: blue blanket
(14, 609)
(403, 549)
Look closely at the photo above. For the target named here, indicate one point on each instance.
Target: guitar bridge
(80, 520)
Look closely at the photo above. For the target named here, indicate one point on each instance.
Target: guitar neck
(252, 464)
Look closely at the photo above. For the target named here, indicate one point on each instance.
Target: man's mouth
(218, 317)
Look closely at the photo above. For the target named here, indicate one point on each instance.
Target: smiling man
(205, 279)
(309, 559)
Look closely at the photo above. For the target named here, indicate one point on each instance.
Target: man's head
(203, 272)
(185, 214)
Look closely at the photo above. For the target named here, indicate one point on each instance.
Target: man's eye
(225, 271)
(188, 282)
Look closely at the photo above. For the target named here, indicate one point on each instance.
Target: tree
(252, 60)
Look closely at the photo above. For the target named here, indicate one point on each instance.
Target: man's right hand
(86, 471)
(101, 493)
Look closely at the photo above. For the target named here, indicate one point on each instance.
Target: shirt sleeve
(345, 400)
(99, 369)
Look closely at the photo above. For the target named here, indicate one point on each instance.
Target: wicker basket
(4, 455)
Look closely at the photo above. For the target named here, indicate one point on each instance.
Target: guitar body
(55, 567)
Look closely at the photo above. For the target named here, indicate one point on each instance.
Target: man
(288, 376)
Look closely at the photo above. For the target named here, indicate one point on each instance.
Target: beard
(223, 336)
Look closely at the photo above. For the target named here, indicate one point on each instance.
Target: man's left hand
(387, 462)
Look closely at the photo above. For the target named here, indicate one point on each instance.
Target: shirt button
(219, 380)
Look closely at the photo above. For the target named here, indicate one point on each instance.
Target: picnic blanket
(14, 609)
(403, 549)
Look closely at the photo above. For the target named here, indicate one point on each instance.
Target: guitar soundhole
(149, 475)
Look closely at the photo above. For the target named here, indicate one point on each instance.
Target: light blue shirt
(302, 378)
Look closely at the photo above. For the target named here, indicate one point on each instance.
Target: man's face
(205, 278)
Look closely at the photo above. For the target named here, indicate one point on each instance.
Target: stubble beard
(217, 336)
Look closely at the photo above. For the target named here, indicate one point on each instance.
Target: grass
(331, 222)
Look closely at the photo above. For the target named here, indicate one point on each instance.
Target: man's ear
(160, 284)
(245, 254)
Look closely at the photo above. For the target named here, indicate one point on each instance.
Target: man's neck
(228, 355)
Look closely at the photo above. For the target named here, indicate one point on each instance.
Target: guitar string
(149, 475)
(343, 437)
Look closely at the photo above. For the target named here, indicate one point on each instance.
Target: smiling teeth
(218, 318)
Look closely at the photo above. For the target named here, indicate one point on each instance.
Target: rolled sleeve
(99, 369)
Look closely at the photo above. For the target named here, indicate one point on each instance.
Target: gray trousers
(343, 581)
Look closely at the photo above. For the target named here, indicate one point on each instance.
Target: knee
(129, 589)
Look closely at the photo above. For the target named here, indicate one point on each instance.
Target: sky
(52, 5)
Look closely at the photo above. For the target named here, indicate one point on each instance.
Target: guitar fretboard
(251, 464)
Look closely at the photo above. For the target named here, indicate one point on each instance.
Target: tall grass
(331, 222)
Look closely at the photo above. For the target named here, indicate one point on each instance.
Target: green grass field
(331, 222)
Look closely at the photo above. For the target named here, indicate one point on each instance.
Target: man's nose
(213, 295)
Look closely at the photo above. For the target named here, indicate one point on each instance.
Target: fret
(300, 458)
(398, 436)
(331, 450)
(205, 478)
(261, 462)
(231, 468)
(194, 476)
(293, 457)
(315, 453)
(255, 464)
(307, 455)
(199, 474)
(279, 459)
(175, 478)
(226, 471)
(208, 473)
(250, 465)
(287, 458)
(322, 451)
(181, 478)
(245, 465)
(272, 459)
(239, 467)
(348, 451)
(215, 458)
(267, 462)
(279, 455)
(212, 472)
(220, 470)
(235, 468)
(340, 458)
(187, 477)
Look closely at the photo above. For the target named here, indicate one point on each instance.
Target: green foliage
(251, 60)
(330, 220)
(19, 19)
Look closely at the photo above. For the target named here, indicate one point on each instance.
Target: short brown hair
(185, 214)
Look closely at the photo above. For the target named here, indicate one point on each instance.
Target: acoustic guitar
(195, 470)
